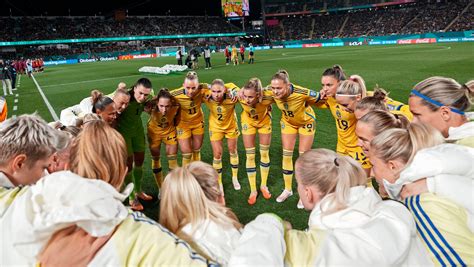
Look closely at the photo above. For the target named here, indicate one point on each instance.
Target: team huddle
(420, 155)
(176, 117)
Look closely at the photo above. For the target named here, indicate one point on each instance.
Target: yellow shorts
(357, 154)
(249, 127)
(307, 129)
(156, 136)
(218, 134)
(186, 132)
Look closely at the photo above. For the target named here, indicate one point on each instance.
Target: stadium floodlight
(164, 51)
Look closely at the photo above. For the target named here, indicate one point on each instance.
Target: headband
(434, 102)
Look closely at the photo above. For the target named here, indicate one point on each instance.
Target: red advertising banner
(312, 45)
(417, 41)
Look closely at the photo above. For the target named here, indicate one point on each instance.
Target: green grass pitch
(395, 68)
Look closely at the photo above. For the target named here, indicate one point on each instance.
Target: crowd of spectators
(465, 21)
(407, 19)
(38, 28)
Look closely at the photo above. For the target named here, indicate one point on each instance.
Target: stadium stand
(37, 28)
(404, 19)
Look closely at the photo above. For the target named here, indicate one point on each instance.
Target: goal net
(164, 51)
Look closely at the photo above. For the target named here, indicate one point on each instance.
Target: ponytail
(332, 174)
(191, 75)
(440, 91)
(282, 75)
(99, 101)
(189, 196)
(375, 102)
(336, 72)
(381, 120)
(254, 84)
(352, 87)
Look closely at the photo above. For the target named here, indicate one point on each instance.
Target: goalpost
(164, 51)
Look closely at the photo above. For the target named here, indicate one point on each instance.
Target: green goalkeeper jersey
(130, 121)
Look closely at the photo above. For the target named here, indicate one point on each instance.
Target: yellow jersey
(190, 108)
(164, 123)
(295, 108)
(261, 112)
(396, 107)
(221, 115)
(345, 124)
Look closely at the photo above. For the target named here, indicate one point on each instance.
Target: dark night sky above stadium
(134, 7)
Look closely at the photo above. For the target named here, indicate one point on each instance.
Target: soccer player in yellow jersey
(256, 117)
(297, 118)
(190, 130)
(223, 123)
(379, 100)
(235, 58)
(164, 116)
(342, 110)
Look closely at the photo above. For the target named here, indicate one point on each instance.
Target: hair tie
(466, 87)
(335, 162)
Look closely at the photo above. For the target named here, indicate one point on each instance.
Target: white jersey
(215, 240)
(449, 173)
(369, 232)
(29, 216)
(70, 115)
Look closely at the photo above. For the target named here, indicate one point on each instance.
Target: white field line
(51, 110)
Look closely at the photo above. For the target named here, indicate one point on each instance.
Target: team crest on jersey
(163, 119)
(252, 112)
(285, 105)
(219, 109)
(192, 104)
(338, 114)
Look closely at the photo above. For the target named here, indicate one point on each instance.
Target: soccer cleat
(136, 205)
(300, 204)
(266, 194)
(252, 198)
(236, 184)
(144, 196)
(284, 195)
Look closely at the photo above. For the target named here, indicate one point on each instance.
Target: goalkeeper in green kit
(130, 125)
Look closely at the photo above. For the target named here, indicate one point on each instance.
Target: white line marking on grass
(17, 95)
(16, 100)
(51, 110)
(15, 108)
(14, 116)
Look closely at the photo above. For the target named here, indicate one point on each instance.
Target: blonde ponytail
(282, 75)
(330, 173)
(353, 87)
(189, 196)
